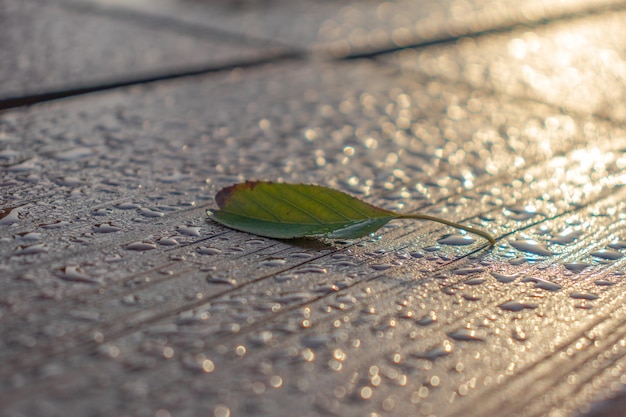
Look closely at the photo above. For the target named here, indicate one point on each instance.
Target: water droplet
(262, 338)
(167, 241)
(576, 267)
(504, 278)
(543, 284)
(140, 246)
(468, 271)
(268, 306)
(29, 237)
(9, 156)
(207, 250)
(127, 206)
(283, 278)
(475, 281)
(440, 351)
(607, 254)
(457, 240)
(531, 246)
(163, 207)
(10, 215)
(344, 264)
(470, 297)
(311, 270)
(25, 166)
(56, 225)
(346, 300)
(449, 290)
(399, 194)
(406, 314)
(519, 334)
(116, 257)
(221, 411)
(221, 280)
(426, 320)
(467, 335)
(73, 273)
(566, 237)
(584, 296)
(31, 250)
(620, 244)
(521, 212)
(146, 212)
(327, 288)
(85, 315)
(381, 267)
(189, 230)
(106, 228)
(517, 306)
(190, 318)
(301, 255)
(73, 154)
(101, 212)
(315, 341)
(69, 181)
(295, 297)
(273, 262)
(130, 299)
(198, 362)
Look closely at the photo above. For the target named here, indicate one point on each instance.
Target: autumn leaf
(287, 211)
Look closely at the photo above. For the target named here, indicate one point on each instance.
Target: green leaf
(287, 211)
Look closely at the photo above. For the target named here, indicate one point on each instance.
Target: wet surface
(576, 64)
(46, 47)
(119, 297)
(350, 27)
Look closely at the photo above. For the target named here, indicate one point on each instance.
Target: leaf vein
(289, 203)
(258, 204)
(323, 203)
(361, 212)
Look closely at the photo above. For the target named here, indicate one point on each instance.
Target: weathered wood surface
(119, 298)
(46, 48)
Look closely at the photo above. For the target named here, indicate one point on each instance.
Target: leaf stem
(482, 233)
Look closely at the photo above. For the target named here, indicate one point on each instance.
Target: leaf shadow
(309, 243)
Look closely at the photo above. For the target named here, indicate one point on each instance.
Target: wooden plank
(576, 64)
(118, 297)
(48, 48)
(349, 28)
